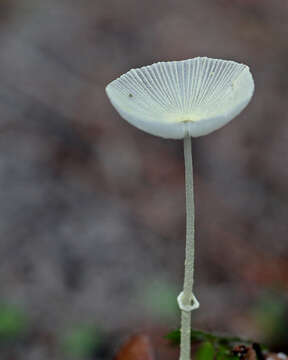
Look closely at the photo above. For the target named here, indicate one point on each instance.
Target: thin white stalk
(186, 297)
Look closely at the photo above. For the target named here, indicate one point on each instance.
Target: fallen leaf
(244, 352)
(138, 347)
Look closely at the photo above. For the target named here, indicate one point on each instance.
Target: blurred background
(92, 210)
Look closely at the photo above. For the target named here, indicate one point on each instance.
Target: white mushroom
(180, 100)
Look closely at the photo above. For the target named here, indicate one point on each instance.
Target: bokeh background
(92, 210)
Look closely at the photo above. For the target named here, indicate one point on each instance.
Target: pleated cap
(182, 98)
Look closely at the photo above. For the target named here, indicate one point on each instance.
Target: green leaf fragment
(13, 322)
(173, 337)
(205, 351)
(220, 342)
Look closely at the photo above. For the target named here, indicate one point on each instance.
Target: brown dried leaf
(137, 347)
(244, 352)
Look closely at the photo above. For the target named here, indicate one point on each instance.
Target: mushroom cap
(175, 99)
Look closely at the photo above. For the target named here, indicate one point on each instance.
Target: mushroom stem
(186, 300)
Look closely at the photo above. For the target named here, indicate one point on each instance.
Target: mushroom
(181, 100)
